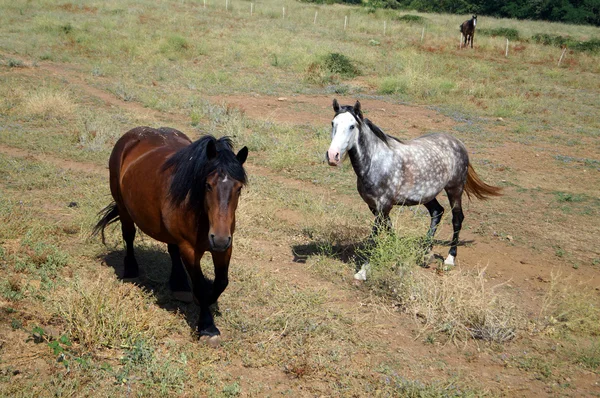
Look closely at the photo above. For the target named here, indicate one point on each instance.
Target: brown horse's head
(220, 203)
(208, 178)
(222, 192)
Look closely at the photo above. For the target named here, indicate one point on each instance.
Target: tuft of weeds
(97, 132)
(50, 105)
(396, 385)
(411, 19)
(108, 313)
(589, 356)
(40, 258)
(15, 63)
(569, 197)
(568, 311)
(509, 33)
(457, 304)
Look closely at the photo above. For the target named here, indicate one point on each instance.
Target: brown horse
(467, 29)
(182, 193)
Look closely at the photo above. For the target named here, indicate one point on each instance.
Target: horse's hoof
(449, 262)
(428, 258)
(361, 275)
(358, 282)
(211, 341)
(186, 297)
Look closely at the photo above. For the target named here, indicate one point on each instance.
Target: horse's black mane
(191, 167)
(376, 130)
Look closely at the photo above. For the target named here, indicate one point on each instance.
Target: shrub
(509, 33)
(412, 19)
(592, 45)
(340, 64)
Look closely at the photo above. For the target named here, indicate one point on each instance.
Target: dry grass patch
(458, 303)
(570, 310)
(107, 313)
(49, 105)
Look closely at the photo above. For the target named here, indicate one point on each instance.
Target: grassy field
(518, 316)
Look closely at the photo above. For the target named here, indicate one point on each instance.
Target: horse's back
(439, 155)
(143, 141)
(136, 181)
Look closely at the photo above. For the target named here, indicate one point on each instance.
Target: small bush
(592, 45)
(340, 64)
(509, 33)
(412, 19)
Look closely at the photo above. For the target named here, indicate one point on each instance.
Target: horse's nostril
(337, 156)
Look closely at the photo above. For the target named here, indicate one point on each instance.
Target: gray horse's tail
(477, 188)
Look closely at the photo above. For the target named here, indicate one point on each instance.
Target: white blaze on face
(343, 134)
(474, 22)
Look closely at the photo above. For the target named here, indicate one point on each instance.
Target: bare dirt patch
(401, 120)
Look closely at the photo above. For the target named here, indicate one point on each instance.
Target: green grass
(509, 33)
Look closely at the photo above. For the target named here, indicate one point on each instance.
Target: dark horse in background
(467, 29)
(182, 193)
(391, 172)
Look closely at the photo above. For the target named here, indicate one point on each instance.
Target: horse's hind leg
(436, 211)
(455, 199)
(131, 269)
(178, 282)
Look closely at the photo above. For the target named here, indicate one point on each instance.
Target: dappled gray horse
(391, 172)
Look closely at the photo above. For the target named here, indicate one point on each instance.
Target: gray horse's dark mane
(360, 120)
(379, 133)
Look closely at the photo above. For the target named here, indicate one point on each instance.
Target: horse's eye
(352, 127)
(208, 187)
(331, 124)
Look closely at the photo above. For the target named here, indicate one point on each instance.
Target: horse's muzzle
(219, 243)
(333, 158)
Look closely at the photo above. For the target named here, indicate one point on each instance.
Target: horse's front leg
(436, 211)
(221, 263)
(382, 221)
(202, 293)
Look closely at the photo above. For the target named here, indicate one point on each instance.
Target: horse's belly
(141, 196)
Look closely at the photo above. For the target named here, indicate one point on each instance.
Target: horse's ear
(357, 110)
(211, 150)
(336, 106)
(242, 155)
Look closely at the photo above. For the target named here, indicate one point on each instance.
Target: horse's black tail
(108, 215)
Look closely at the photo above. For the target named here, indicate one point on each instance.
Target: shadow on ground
(354, 253)
(155, 269)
